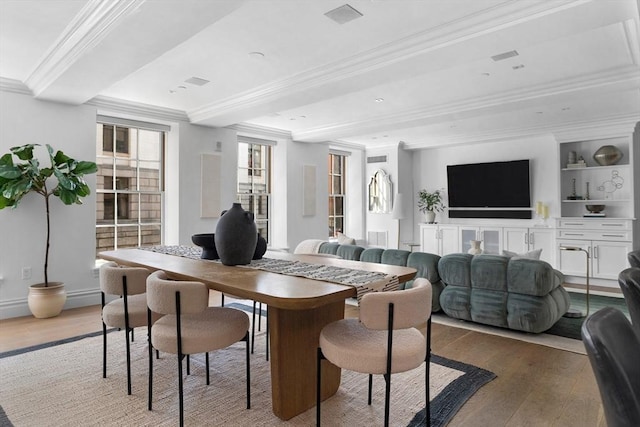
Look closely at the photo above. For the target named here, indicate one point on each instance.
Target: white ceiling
(429, 60)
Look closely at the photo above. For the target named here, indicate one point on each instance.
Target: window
(337, 171)
(129, 187)
(254, 183)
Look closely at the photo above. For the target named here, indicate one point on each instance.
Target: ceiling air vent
(343, 14)
(505, 55)
(196, 81)
(377, 159)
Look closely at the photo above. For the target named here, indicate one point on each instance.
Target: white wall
(430, 169)
(193, 142)
(71, 129)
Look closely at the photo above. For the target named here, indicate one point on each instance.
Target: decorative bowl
(607, 155)
(207, 242)
(595, 208)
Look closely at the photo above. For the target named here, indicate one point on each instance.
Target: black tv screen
(489, 185)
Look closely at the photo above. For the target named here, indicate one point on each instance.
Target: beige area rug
(62, 385)
(555, 341)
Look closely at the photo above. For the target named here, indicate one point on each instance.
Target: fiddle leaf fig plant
(62, 179)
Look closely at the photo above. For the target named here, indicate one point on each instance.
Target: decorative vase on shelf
(236, 236)
(430, 217)
(607, 155)
(475, 247)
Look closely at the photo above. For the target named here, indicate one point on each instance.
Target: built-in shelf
(597, 201)
(594, 168)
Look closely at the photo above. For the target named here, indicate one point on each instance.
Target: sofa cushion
(455, 269)
(372, 255)
(343, 239)
(328, 248)
(394, 257)
(350, 252)
(531, 277)
(489, 272)
(535, 254)
(489, 307)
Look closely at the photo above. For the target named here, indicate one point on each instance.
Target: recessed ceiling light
(197, 81)
(172, 91)
(539, 112)
(379, 99)
(182, 87)
(517, 67)
(505, 55)
(486, 74)
(256, 55)
(343, 14)
(566, 108)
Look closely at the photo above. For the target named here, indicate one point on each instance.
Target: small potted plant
(429, 204)
(62, 179)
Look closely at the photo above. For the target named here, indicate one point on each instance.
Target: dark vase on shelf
(236, 236)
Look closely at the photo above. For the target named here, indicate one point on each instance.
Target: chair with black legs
(126, 312)
(257, 305)
(190, 326)
(613, 347)
(384, 340)
(629, 281)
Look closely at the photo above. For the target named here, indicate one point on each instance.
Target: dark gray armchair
(634, 258)
(612, 347)
(629, 281)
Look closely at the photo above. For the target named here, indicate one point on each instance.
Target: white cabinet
(521, 240)
(491, 238)
(607, 259)
(439, 239)
(607, 241)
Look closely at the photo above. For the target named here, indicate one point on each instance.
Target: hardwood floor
(535, 385)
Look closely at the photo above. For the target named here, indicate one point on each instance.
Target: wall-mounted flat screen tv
(489, 185)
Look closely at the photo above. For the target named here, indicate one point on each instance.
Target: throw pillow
(531, 255)
(345, 240)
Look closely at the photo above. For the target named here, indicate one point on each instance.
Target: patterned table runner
(363, 281)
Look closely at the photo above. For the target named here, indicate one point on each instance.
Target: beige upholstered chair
(189, 326)
(257, 305)
(384, 340)
(127, 312)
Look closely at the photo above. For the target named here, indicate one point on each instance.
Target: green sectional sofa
(425, 263)
(515, 293)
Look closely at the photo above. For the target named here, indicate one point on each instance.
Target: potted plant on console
(64, 180)
(430, 203)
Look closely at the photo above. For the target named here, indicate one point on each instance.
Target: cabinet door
(540, 238)
(609, 259)
(467, 234)
(429, 241)
(449, 239)
(491, 240)
(516, 239)
(573, 263)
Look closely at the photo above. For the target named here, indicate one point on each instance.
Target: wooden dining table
(298, 310)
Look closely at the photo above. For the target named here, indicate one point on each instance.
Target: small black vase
(261, 247)
(207, 242)
(236, 236)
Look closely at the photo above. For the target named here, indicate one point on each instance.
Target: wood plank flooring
(535, 385)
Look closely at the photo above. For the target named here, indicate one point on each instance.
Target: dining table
(299, 308)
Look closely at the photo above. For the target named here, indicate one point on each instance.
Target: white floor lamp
(398, 212)
(573, 312)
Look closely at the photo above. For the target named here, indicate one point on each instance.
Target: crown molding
(563, 132)
(484, 22)
(627, 74)
(88, 28)
(138, 109)
(262, 131)
(15, 86)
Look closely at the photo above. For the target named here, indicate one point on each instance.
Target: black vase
(261, 247)
(236, 236)
(207, 242)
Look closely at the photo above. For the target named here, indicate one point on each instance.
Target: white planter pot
(46, 301)
(430, 217)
